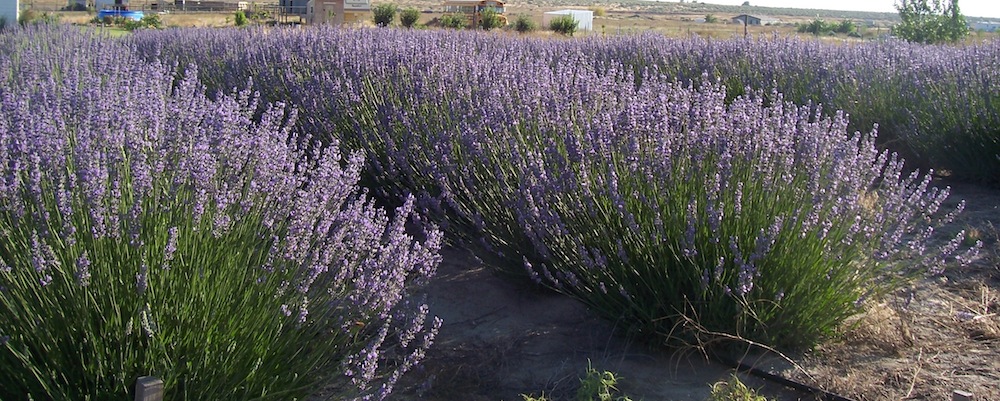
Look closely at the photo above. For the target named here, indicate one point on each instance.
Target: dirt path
(502, 338)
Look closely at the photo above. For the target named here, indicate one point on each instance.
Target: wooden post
(148, 388)
(959, 395)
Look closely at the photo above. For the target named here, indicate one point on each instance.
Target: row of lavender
(146, 229)
(677, 208)
(938, 106)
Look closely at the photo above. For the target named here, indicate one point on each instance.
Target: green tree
(524, 24)
(489, 19)
(565, 25)
(408, 17)
(454, 21)
(711, 19)
(383, 14)
(930, 21)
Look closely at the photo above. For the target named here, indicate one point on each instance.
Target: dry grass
(944, 337)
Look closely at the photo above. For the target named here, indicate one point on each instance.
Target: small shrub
(31, 16)
(564, 24)
(817, 27)
(152, 20)
(524, 24)
(594, 386)
(384, 14)
(599, 11)
(846, 26)
(711, 19)
(241, 19)
(409, 17)
(599, 386)
(734, 390)
(454, 21)
(148, 21)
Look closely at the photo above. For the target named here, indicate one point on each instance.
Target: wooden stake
(148, 388)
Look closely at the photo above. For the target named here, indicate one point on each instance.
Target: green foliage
(149, 21)
(565, 25)
(454, 21)
(846, 26)
(241, 19)
(929, 22)
(490, 19)
(599, 11)
(817, 27)
(599, 386)
(383, 14)
(524, 24)
(152, 20)
(734, 390)
(30, 16)
(409, 17)
(711, 19)
(594, 386)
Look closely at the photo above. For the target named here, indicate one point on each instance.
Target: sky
(969, 8)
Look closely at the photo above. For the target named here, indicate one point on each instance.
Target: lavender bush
(148, 230)
(647, 177)
(691, 217)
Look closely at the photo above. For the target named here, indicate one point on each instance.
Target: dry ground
(947, 338)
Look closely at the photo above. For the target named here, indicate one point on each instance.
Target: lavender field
(682, 187)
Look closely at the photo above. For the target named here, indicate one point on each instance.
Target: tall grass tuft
(146, 229)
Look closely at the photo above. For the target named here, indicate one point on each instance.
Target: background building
(755, 19)
(338, 12)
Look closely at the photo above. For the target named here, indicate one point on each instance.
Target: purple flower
(83, 270)
(142, 279)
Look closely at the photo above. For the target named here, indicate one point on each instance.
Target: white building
(584, 18)
(9, 11)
